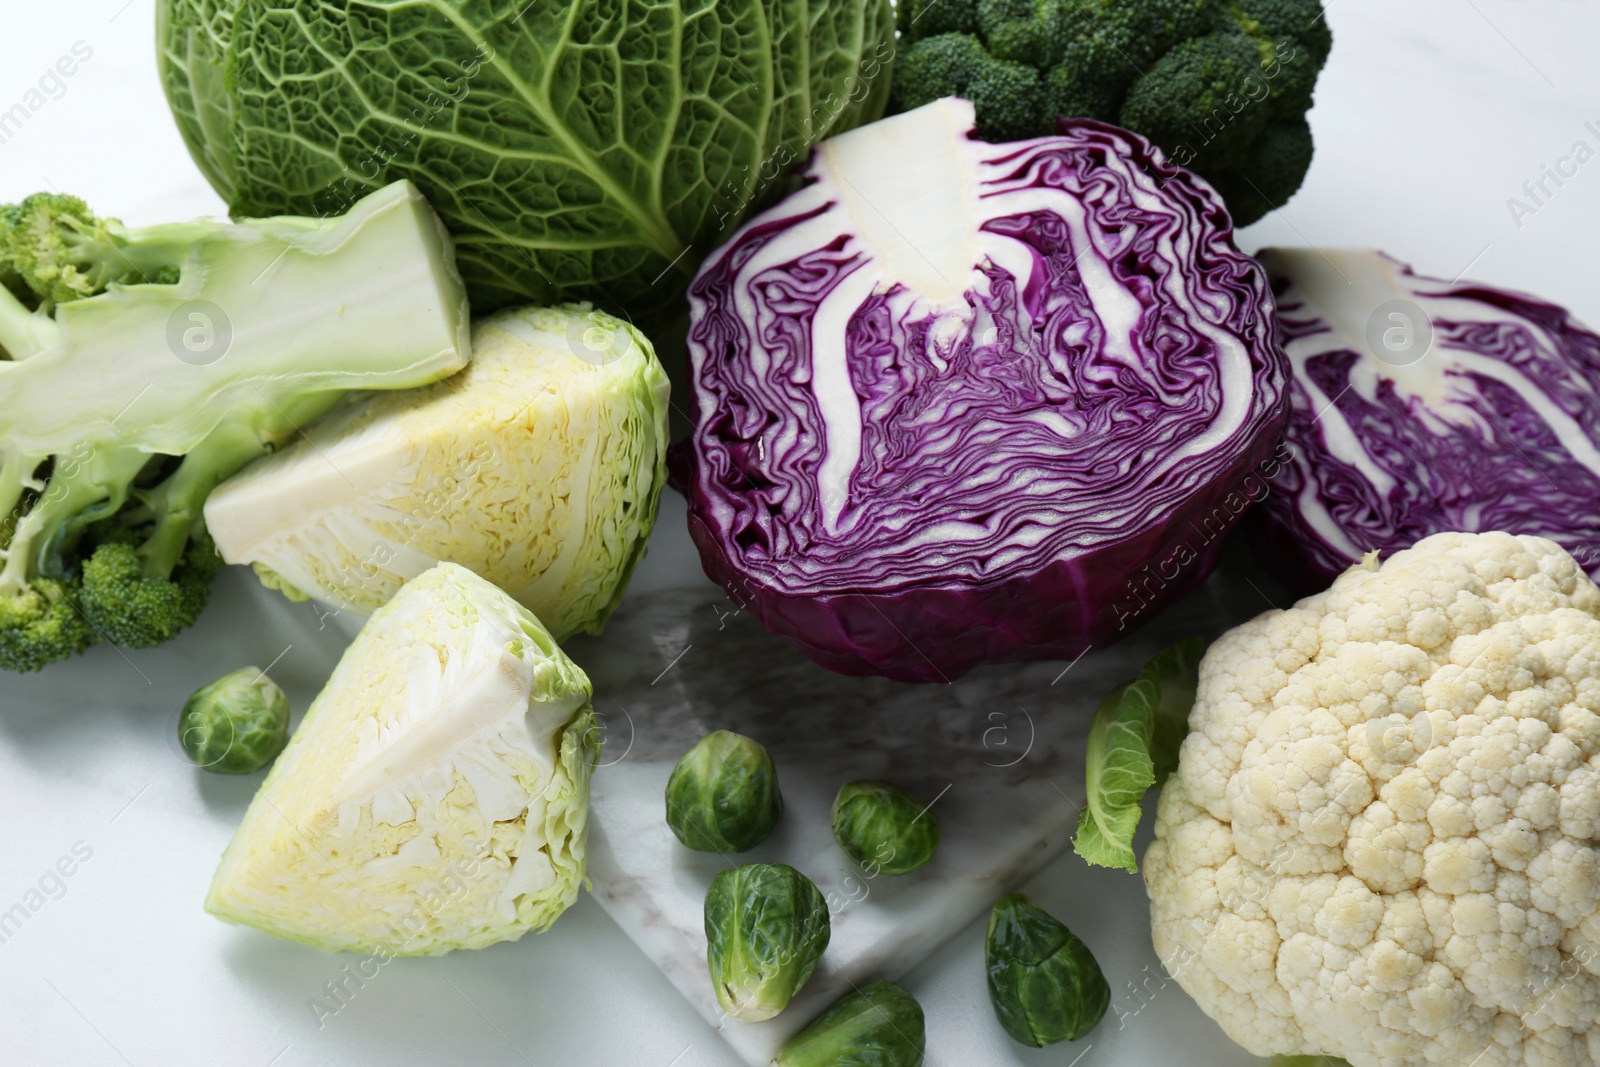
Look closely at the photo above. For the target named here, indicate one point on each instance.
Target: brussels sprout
(884, 828)
(723, 794)
(766, 927)
(237, 724)
(878, 1026)
(1043, 982)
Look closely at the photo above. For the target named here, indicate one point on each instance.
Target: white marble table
(1430, 117)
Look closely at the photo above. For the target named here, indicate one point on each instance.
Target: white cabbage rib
(435, 796)
(538, 467)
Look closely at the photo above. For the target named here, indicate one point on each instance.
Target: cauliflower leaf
(1133, 745)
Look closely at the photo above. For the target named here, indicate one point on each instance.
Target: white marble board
(998, 754)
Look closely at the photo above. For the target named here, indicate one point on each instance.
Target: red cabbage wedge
(1422, 406)
(960, 403)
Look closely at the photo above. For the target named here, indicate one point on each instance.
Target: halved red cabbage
(1422, 406)
(960, 403)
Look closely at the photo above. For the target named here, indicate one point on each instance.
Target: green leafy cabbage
(576, 148)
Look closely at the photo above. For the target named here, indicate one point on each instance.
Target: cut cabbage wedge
(538, 467)
(436, 796)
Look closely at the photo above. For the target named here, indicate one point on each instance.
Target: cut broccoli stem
(175, 505)
(79, 491)
(120, 410)
(278, 310)
(24, 332)
(152, 255)
(15, 480)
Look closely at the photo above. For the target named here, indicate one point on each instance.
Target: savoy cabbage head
(576, 148)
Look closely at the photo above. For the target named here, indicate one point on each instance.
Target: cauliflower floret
(1382, 841)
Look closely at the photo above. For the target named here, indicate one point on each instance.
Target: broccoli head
(139, 368)
(1221, 85)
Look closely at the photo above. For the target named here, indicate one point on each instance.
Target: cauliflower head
(538, 467)
(436, 795)
(1381, 839)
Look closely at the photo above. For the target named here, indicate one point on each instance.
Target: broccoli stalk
(154, 363)
(1221, 85)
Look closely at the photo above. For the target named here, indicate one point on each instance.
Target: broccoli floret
(10, 280)
(1221, 85)
(1299, 20)
(1282, 157)
(1020, 31)
(938, 67)
(1011, 95)
(59, 250)
(956, 64)
(124, 605)
(40, 625)
(930, 18)
(121, 410)
(1190, 101)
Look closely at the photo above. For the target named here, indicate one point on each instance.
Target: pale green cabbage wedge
(538, 467)
(435, 797)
